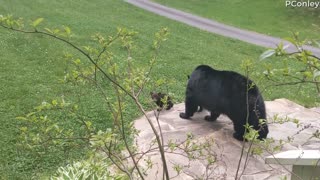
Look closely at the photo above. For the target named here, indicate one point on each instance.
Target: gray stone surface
(225, 148)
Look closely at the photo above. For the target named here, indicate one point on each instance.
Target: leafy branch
(310, 74)
(123, 35)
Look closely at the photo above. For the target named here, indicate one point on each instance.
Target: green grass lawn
(270, 17)
(31, 66)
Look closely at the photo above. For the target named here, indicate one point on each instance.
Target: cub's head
(155, 96)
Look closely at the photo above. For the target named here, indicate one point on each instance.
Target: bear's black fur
(200, 108)
(225, 92)
(158, 98)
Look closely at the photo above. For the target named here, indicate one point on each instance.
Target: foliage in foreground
(90, 169)
(43, 131)
(307, 73)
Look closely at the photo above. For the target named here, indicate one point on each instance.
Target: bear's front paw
(238, 136)
(209, 118)
(184, 116)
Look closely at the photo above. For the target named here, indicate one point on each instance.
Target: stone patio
(225, 148)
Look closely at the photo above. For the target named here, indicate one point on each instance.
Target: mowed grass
(31, 67)
(269, 17)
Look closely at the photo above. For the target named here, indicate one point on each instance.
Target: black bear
(161, 100)
(200, 108)
(226, 92)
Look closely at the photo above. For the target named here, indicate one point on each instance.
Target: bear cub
(162, 100)
(225, 92)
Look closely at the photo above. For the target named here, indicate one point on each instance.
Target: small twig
(247, 119)
(299, 52)
(111, 155)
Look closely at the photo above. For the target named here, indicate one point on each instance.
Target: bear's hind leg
(212, 117)
(262, 129)
(239, 131)
(263, 132)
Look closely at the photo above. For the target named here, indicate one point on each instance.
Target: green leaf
(67, 30)
(316, 74)
(290, 39)
(77, 61)
(21, 118)
(317, 43)
(48, 30)
(56, 31)
(267, 54)
(308, 74)
(24, 129)
(285, 46)
(54, 102)
(30, 114)
(36, 22)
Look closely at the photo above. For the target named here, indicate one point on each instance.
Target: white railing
(305, 163)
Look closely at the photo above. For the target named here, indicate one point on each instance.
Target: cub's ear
(188, 76)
